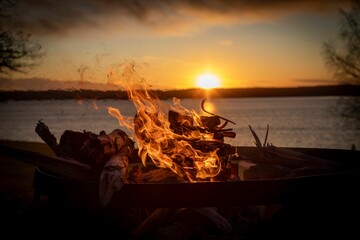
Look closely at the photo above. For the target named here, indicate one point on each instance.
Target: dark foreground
(19, 215)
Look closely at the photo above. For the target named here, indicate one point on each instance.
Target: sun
(208, 81)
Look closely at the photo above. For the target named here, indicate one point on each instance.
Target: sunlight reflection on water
(293, 121)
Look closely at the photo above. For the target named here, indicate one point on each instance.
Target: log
(184, 125)
(84, 146)
(87, 147)
(44, 133)
(270, 154)
(159, 175)
(301, 159)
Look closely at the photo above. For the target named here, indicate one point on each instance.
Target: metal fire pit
(338, 187)
(309, 189)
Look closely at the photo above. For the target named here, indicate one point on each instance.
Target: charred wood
(44, 133)
(87, 147)
(184, 125)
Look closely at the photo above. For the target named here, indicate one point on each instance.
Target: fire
(157, 139)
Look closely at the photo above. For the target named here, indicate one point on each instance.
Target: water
(293, 121)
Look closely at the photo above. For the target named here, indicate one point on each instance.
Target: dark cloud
(41, 84)
(59, 17)
(315, 81)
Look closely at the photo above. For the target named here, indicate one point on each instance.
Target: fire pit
(81, 186)
(83, 190)
(304, 200)
(203, 169)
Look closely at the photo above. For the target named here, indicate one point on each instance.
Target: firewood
(44, 133)
(301, 159)
(84, 147)
(87, 147)
(113, 177)
(159, 175)
(270, 154)
(184, 125)
(224, 150)
(181, 124)
(211, 122)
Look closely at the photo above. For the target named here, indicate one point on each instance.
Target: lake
(294, 121)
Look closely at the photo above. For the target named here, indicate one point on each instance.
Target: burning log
(209, 125)
(192, 147)
(158, 175)
(185, 125)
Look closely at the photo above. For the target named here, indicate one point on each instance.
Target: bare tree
(17, 52)
(343, 58)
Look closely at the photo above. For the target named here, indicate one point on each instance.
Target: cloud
(167, 16)
(41, 84)
(315, 81)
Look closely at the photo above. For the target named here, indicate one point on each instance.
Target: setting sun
(208, 81)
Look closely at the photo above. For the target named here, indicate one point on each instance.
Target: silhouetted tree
(343, 58)
(17, 52)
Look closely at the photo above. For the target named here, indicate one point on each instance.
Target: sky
(244, 43)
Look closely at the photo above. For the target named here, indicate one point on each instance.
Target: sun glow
(208, 81)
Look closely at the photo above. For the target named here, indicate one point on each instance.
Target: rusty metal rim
(309, 189)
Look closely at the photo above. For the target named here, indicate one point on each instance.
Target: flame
(156, 139)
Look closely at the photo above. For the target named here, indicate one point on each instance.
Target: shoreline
(329, 90)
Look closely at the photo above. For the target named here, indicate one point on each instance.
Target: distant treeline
(333, 90)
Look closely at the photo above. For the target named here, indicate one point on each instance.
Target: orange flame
(156, 140)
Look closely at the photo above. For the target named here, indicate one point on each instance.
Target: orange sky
(244, 43)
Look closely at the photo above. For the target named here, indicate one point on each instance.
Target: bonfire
(173, 144)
